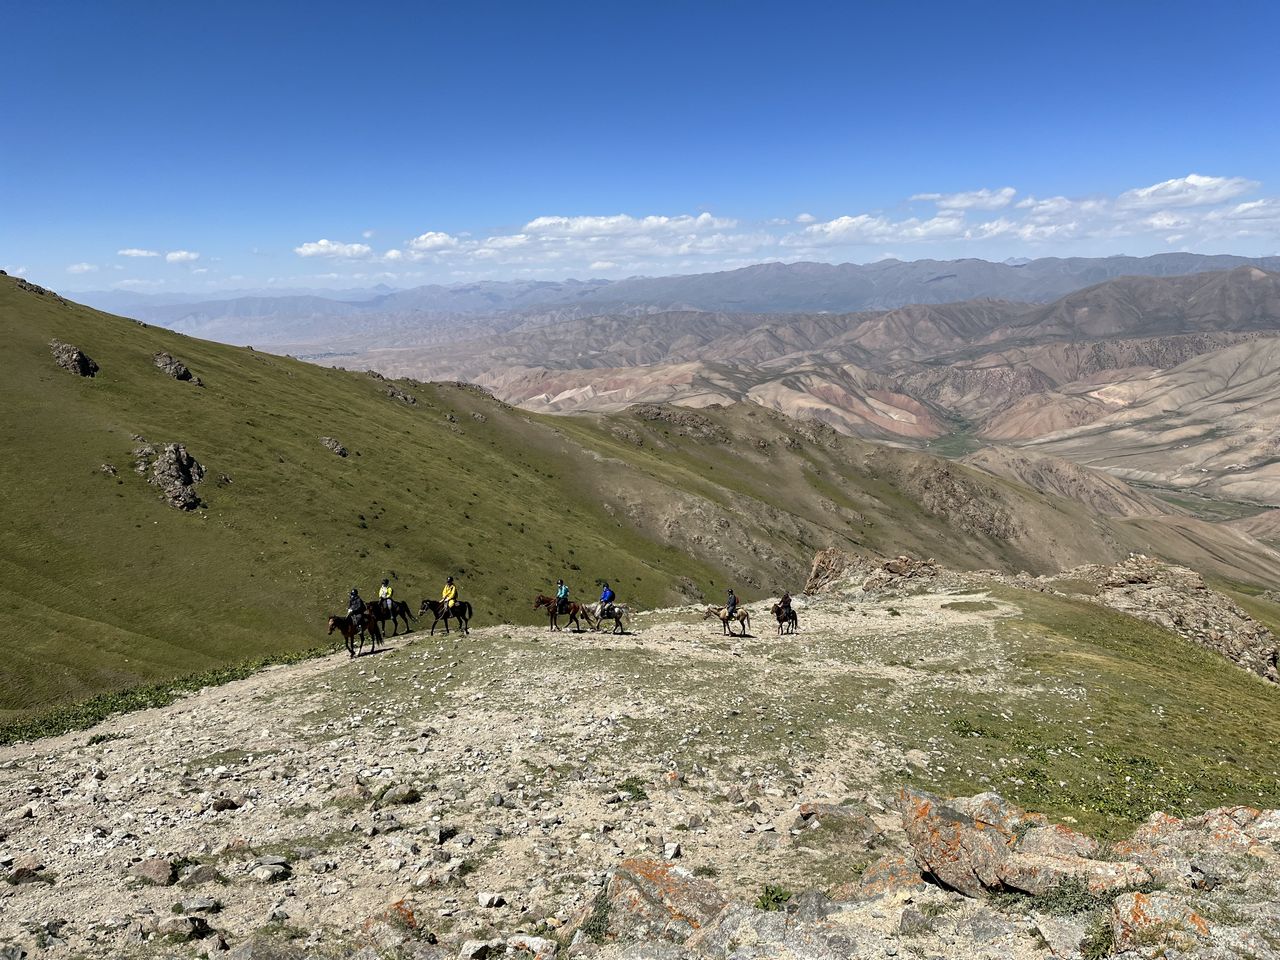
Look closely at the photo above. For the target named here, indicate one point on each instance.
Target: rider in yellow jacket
(449, 595)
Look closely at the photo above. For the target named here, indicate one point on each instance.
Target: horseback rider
(562, 597)
(731, 604)
(606, 600)
(384, 595)
(785, 602)
(449, 595)
(355, 607)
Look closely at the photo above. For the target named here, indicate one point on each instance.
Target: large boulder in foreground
(984, 843)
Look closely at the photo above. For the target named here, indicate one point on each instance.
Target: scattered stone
(399, 794)
(199, 874)
(490, 900)
(331, 444)
(154, 870)
(72, 359)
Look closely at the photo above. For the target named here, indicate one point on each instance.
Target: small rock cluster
(395, 393)
(72, 359)
(175, 368)
(335, 446)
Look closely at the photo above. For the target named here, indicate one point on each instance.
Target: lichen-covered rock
(72, 359)
(334, 446)
(960, 852)
(651, 900)
(395, 393)
(1156, 919)
(975, 844)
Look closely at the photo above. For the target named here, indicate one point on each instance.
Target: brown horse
(722, 614)
(461, 611)
(348, 629)
(377, 610)
(574, 609)
(786, 617)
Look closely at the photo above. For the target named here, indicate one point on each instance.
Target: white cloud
(15, 271)
(367, 234)
(625, 225)
(134, 283)
(82, 268)
(603, 265)
(983, 199)
(136, 252)
(334, 249)
(432, 240)
(805, 218)
(1192, 190)
(181, 256)
(865, 228)
(393, 255)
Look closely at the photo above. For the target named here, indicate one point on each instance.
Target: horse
(722, 614)
(461, 611)
(786, 617)
(348, 629)
(600, 612)
(377, 610)
(553, 611)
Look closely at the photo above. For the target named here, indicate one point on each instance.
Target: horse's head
(541, 601)
(426, 607)
(333, 624)
(710, 612)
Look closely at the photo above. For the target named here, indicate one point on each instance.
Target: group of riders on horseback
(371, 617)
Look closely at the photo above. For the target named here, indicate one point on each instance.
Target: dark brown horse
(573, 611)
(377, 610)
(461, 611)
(788, 622)
(348, 629)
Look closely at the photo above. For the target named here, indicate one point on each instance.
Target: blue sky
(162, 146)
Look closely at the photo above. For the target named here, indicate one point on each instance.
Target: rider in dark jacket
(731, 605)
(562, 597)
(355, 607)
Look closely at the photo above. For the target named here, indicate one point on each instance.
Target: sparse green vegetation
(772, 897)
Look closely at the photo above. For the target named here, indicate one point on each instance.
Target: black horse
(377, 610)
(461, 611)
(788, 622)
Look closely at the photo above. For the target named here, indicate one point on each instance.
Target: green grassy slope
(102, 585)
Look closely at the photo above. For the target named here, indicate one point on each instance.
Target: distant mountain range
(312, 317)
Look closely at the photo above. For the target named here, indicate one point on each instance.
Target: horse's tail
(408, 610)
(466, 608)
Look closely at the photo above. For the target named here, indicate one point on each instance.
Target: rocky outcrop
(171, 468)
(175, 368)
(685, 422)
(176, 473)
(395, 393)
(650, 900)
(72, 359)
(833, 570)
(1179, 600)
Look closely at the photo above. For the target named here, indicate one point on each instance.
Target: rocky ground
(670, 793)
